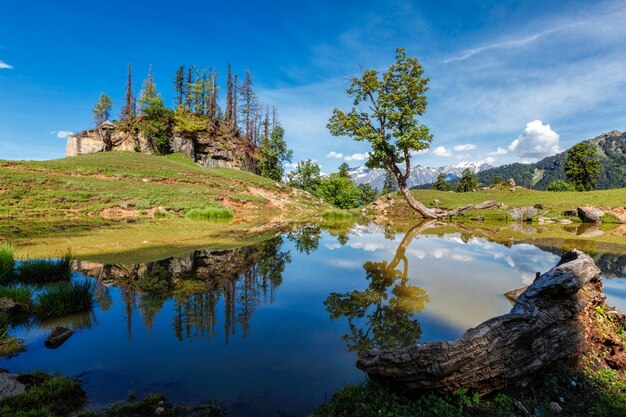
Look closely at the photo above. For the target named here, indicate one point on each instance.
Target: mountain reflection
(198, 284)
(381, 316)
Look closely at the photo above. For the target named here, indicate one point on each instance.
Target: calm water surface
(272, 329)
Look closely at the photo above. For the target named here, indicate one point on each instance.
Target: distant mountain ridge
(611, 151)
(419, 174)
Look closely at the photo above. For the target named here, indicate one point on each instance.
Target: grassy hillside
(555, 203)
(610, 150)
(134, 185)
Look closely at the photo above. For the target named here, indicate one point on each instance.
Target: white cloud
(420, 152)
(466, 147)
(441, 151)
(462, 258)
(62, 134)
(357, 157)
(498, 152)
(333, 154)
(537, 141)
(4, 65)
(439, 253)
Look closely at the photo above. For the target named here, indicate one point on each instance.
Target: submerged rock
(547, 324)
(57, 337)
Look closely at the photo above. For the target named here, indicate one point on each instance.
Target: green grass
(6, 260)
(63, 299)
(18, 293)
(45, 396)
(210, 213)
(45, 270)
(336, 214)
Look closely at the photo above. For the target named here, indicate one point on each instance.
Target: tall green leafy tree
(582, 167)
(274, 154)
(441, 183)
(306, 176)
(344, 170)
(385, 114)
(102, 109)
(339, 191)
(468, 182)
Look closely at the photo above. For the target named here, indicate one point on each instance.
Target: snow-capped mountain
(419, 174)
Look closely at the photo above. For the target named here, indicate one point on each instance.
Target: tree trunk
(547, 324)
(424, 211)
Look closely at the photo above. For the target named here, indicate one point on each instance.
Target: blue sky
(510, 81)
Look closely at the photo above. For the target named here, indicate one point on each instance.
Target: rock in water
(523, 214)
(546, 325)
(590, 214)
(9, 306)
(9, 385)
(58, 336)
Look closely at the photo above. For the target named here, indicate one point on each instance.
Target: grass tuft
(6, 260)
(209, 213)
(18, 293)
(63, 299)
(336, 214)
(45, 270)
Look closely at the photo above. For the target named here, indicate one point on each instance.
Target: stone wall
(215, 147)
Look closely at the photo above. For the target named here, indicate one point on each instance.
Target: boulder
(590, 214)
(9, 306)
(547, 324)
(523, 214)
(57, 336)
(9, 385)
(184, 145)
(510, 182)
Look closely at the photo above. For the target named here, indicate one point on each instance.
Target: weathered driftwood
(546, 325)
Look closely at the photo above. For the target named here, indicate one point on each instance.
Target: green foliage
(344, 170)
(274, 153)
(156, 123)
(189, 123)
(467, 182)
(336, 214)
(306, 176)
(5, 322)
(148, 93)
(45, 396)
(582, 166)
(441, 183)
(391, 184)
(395, 99)
(338, 191)
(6, 260)
(45, 270)
(18, 293)
(496, 181)
(102, 109)
(210, 213)
(368, 193)
(560, 186)
(64, 298)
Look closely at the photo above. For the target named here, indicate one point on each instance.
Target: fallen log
(546, 325)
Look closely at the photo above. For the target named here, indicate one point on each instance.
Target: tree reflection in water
(241, 278)
(381, 316)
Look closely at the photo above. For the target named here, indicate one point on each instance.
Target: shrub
(560, 185)
(20, 294)
(4, 325)
(208, 213)
(64, 298)
(6, 260)
(45, 270)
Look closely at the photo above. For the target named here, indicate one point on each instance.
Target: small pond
(272, 329)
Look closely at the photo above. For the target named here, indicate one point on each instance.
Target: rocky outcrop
(217, 146)
(523, 214)
(590, 214)
(548, 323)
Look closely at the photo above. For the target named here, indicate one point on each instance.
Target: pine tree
(468, 182)
(233, 120)
(274, 153)
(129, 110)
(343, 170)
(229, 97)
(179, 85)
(249, 106)
(189, 87)
(441, 183)
(390, 184)
(582, 167)
(102, 109)
(148, 92)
